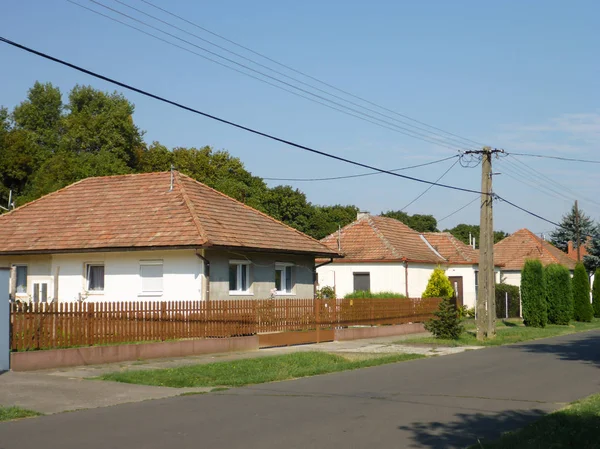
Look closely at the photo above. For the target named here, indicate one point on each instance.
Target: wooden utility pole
(577, 232)
(486, 295)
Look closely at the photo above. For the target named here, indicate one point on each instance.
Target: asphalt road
(440, 402)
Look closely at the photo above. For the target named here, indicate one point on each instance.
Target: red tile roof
(381, 239)
(140, 211)
(514, 250)
(452, 249)
(572, 252)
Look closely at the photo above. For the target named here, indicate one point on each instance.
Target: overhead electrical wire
(332, 178)
(363, 116)
(459, 209)
(429, 188)
(227, 122)
(183, 19)
(560, 158)
(460, 142)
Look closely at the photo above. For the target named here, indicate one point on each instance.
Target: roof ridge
(256, 210)
(190, 207)
(430, 246)
(382, 237)
(454, 241)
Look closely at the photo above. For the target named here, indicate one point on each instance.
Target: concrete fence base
(97, 355)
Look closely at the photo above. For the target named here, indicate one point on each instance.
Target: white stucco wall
(384, 277)
(511, 277)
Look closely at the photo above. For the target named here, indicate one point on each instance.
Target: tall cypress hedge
(596, 293)
(581, 295)
(533, 294)
(559, 294)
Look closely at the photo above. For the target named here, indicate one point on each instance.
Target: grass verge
(8, 413)
(251, 371)
(576, 426)
(508, 331)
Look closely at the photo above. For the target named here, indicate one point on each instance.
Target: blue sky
(523, 76)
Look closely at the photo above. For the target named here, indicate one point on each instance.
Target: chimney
(570, 249)
(360, 215)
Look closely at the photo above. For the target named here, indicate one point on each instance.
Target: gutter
(206, 272)
(315, 275)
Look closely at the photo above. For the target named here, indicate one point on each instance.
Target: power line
(460, 142)
(560, 158)
(429, 188)
(307, 75)
(227, 122)
(377, 121)
(332, 178)
(498, 197)
(459, 209)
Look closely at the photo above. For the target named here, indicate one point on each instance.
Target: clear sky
(523, 76)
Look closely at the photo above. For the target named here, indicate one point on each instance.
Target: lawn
(507, 332)
(252, 371)
(577, 426)
(8, 413)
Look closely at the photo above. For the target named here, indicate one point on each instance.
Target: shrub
(559, 294)
(438, 286)
(583, 310)
(367, 294)
(447, 324)
(533, 294)
(326, 292)
(514, 299)
(596, 293)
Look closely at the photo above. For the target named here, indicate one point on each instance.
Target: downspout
(406, 276)
(206, 273)
(315, 275)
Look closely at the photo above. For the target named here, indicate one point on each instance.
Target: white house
(154, 236)
(383, 254)
(514, 250)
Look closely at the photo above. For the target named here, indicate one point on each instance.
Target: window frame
(17, 266)
(240, 265)
(284, 267)
(86, 276)
(153, 263)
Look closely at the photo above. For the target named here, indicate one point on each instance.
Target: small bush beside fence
(63, 325)
(507, 295)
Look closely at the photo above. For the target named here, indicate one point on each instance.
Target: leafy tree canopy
(462, 232)
(418, 222)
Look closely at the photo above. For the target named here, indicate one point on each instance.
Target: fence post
(318, 319)
(506, 302)
(90, 323)
(4, 320)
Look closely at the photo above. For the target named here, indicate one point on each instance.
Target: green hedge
(596, 293)
(559, 294)
(367, 294)
(581, 295)
(533, 294)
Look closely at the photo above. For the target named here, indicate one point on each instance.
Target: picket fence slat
(61, 325)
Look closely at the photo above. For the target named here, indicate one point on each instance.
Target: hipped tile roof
(452, 249)
(382, 239)
(140, 211)
(514, 250)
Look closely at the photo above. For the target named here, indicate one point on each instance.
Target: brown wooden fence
(63, 325)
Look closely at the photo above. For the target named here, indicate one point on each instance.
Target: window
(40, 292)
(151, 272)
(21, 278)
(362, 282)
(476, 285)
(239, 276)
(283, 278)
(94, 275)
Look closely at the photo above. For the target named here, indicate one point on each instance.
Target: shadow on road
(585, 350)
(466, 429)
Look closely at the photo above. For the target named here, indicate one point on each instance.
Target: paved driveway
(436, 402)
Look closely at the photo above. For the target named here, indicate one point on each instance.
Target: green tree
(418, 222)
(288, 205)
(559, 294)
(567, 231)
(533, 294)
(596, 293)
(447, 322)
(324, 220)
(438, 286)
(591, 261)
(155, 158)
(98, 122)
(463, 231)
(583, 310)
